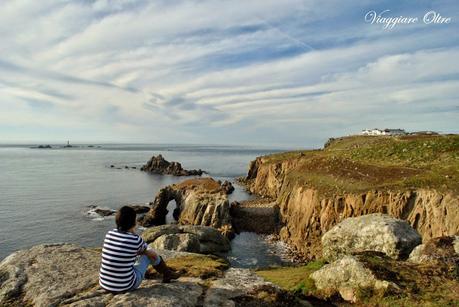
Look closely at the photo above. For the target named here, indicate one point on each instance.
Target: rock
(204, 208)
(347, 276)
(140, 209)
(182, 242)
(159, 165)
(158, 208)
(209, 240)
(47, 275)
(259, 215)
(66, 274)
(239, 285)
(228, 187)
(100, 211)
(96, 211)
(44, 147)
(307, 211)
(199, 202)
(227, 231)
(441, 251)
(372, 232)
(152, 233)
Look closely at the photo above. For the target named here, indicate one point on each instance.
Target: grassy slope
(420, 285)
(360, 163)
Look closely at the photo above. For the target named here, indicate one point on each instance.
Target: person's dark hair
(125, 218)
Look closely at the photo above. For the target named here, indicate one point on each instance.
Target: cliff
(412, 177)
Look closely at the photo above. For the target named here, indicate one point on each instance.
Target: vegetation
(204, 184)
(419, 285)
(202, 266)
(294, 278)
(360, 163)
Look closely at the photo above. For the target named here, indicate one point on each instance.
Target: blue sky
(290, 73)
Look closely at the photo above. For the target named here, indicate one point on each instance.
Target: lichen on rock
(372, 232)
(188, 238)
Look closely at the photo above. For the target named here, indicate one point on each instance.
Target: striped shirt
(118, 257)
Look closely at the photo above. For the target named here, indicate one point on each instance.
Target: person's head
(125, 218)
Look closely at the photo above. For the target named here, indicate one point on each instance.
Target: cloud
(273, 72)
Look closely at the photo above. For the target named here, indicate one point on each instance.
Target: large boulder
(347, 276)
(189, 238)
(159, 165)
(182, 242)
(372, 232)
(200, 201)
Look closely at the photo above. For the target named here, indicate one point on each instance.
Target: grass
(202, 266)
(360, 163)
(293, 278)
(420, 285)
(207, 184)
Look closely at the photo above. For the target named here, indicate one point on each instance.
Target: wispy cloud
(272, 72)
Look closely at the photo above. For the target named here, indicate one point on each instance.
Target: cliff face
(307, 212)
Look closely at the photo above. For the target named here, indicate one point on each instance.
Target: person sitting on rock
(119, 270)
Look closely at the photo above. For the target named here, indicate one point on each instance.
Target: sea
(45, 194)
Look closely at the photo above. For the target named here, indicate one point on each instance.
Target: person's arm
(148, 251)
(142, 247)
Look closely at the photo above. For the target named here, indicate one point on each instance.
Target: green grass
(360, 163)
(202, 266)
(293, 278)
(420, 285)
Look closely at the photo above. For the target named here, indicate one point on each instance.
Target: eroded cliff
(408, 178)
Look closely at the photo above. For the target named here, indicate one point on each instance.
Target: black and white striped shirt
(118, 257)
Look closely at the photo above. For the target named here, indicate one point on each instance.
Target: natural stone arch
(200, 201)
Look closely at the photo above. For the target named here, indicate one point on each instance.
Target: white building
(386, 131)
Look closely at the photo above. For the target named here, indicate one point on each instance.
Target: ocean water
(45, 193)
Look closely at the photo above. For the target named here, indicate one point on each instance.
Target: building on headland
(386, 131)
(424, 133)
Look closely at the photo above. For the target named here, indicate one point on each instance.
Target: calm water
(44, 193)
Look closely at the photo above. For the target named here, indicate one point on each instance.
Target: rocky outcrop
(67, 275)
(196, 239)
(306, 213)
(102, 212)
(346, 277)
(259, 215)
(438, 251)
(372, 232)
(373, 279)
(199, 202)
(159, 165)
(227, 186)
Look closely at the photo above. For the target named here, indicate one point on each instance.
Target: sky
(249, 72)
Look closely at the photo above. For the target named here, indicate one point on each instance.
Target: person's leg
(155, 259)
(167, 272)
(140, 268)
